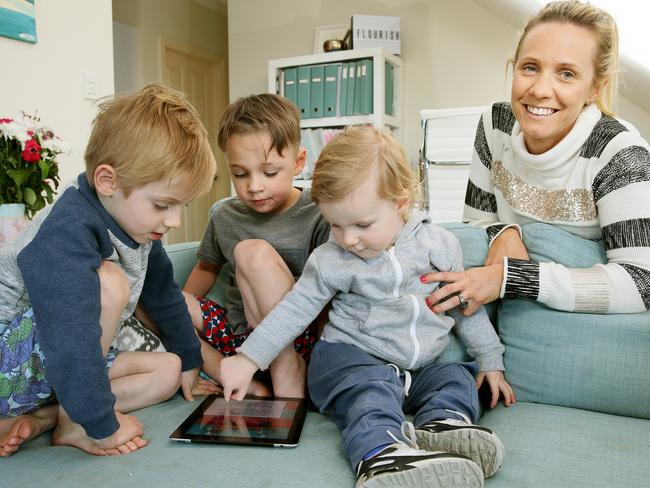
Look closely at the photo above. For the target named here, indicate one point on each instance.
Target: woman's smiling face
(554, 78)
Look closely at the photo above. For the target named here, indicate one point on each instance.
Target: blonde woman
(556, 154)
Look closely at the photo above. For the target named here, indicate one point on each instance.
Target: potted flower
(29, 173)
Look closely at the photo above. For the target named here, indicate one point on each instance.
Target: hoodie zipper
(416, 308)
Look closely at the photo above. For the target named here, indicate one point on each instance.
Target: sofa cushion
(590, 361)
(550, 446)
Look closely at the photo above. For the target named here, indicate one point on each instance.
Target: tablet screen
(254, 420)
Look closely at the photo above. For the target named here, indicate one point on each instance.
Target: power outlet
(90, 85)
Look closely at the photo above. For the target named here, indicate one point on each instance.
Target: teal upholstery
(547, 446)
(588, 361)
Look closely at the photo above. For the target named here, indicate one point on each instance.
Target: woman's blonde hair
(603, 25)
(149, 136)
(352, 155)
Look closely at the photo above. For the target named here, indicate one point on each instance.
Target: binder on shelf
(290, 85)
(330, 85)
(352, 70)
(356, 108)
(366, 89)
(388, 89)
(303, 75)
(343, 91)
(316, 86)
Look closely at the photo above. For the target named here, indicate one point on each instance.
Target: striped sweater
(595, 184)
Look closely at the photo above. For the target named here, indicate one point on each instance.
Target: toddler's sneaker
(399, 465)
(462, 437)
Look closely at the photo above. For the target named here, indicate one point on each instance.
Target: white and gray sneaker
(462, 437)
(399, 465)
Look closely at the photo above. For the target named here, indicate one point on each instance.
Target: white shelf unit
(378, 117)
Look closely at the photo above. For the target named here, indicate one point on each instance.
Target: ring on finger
(462, 303)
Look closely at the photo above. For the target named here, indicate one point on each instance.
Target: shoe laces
(408, 432)
(407, 377)
(463, 418)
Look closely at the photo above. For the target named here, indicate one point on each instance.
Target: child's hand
(126, 439)
(192, 384)
(236, 374)
(498, 384)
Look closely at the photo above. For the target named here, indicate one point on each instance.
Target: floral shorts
(218, 332)
(23, 387)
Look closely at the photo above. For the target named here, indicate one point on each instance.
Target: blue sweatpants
(366, 399)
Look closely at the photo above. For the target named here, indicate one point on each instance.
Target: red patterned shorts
(218, 333)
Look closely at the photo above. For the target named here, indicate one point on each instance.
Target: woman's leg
(264, 279)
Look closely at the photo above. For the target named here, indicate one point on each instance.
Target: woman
(555, 154)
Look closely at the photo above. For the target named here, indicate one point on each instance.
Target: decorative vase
(12, 221)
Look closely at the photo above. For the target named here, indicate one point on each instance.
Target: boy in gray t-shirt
(265, 235)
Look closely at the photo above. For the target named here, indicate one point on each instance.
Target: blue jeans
(366, 399)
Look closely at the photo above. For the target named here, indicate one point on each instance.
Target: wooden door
(202, 78)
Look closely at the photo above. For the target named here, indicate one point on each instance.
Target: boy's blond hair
(352, 155)
(151, 135)
(262, 113)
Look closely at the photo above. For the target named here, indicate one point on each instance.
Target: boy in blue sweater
(70, 279)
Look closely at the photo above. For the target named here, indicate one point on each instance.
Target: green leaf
(19, 175)
(30, 196)
(45, 168)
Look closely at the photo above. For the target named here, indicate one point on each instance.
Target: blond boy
(69, 280)
(265, 234)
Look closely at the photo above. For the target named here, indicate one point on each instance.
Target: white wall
(454, 51)
(73, 36)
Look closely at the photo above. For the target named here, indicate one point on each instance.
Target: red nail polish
(423, 278)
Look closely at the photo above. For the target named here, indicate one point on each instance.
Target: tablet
(254, 421)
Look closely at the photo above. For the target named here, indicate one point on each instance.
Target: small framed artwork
(17, 20)
(325, 33)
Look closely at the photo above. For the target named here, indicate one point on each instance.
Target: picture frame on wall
(17, 20)
(325, 33)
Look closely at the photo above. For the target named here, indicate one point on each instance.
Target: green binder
(303, 92)
(329, 89)
(290, 85)
(356, 108)
(343, 91)
(366, 89)
(388, 89)
(351, 87)
(316, 87)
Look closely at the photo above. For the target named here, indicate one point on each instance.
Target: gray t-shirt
(294, 234)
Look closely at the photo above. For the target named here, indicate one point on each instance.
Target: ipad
(254, 421)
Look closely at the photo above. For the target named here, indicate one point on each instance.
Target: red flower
(32, 151)
(6, 121)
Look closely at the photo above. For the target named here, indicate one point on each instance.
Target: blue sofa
(582, 383)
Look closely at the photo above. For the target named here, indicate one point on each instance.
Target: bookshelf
(377, 117)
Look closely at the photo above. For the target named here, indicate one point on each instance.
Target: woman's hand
(469, 289)
(507, 244)
(498, 385)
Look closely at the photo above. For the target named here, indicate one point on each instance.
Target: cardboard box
(376, 31)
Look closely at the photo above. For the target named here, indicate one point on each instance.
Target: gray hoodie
(378, 304)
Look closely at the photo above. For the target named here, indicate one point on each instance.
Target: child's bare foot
(67, 433)
(15, 431)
